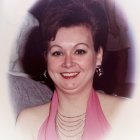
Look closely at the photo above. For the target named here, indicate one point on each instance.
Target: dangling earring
(45, 74)
(99, 70)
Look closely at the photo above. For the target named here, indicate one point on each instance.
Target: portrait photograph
(70, 70)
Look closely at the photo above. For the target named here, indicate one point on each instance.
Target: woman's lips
(69, 75)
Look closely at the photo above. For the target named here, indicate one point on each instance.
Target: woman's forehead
(73, 34)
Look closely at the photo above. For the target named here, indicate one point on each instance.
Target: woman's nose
(68, 61)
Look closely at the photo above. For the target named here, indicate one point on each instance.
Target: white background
(11, 15)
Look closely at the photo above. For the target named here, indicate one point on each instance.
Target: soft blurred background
(11, 14)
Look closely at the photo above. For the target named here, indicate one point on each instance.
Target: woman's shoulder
(30, 120)
(111, 99)
(37, 112)
(111, 105)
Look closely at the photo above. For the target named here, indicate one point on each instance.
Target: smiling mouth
(69, 75)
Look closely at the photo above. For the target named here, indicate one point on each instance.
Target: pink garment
(96, 124)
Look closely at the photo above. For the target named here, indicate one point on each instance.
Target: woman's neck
(73, 103)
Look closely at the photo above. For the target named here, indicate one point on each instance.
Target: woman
(73, 35)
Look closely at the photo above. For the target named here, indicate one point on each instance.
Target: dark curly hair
(54, 14)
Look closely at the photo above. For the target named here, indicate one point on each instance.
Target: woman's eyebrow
(55, 45)
(85, 44)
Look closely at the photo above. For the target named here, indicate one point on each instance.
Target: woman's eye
(57, 53)
(80, 51)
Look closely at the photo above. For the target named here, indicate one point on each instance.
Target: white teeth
(70, 74)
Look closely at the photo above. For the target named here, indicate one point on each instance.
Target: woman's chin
(69, 87)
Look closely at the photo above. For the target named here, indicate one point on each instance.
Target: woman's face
(71, 58)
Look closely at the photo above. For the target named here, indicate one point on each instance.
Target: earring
(45, 74)
(99, 70)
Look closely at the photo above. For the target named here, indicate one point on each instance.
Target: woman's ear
(45, 55)
(45, 58)
(99, 56)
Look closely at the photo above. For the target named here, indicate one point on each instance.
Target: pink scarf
(96, 124)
